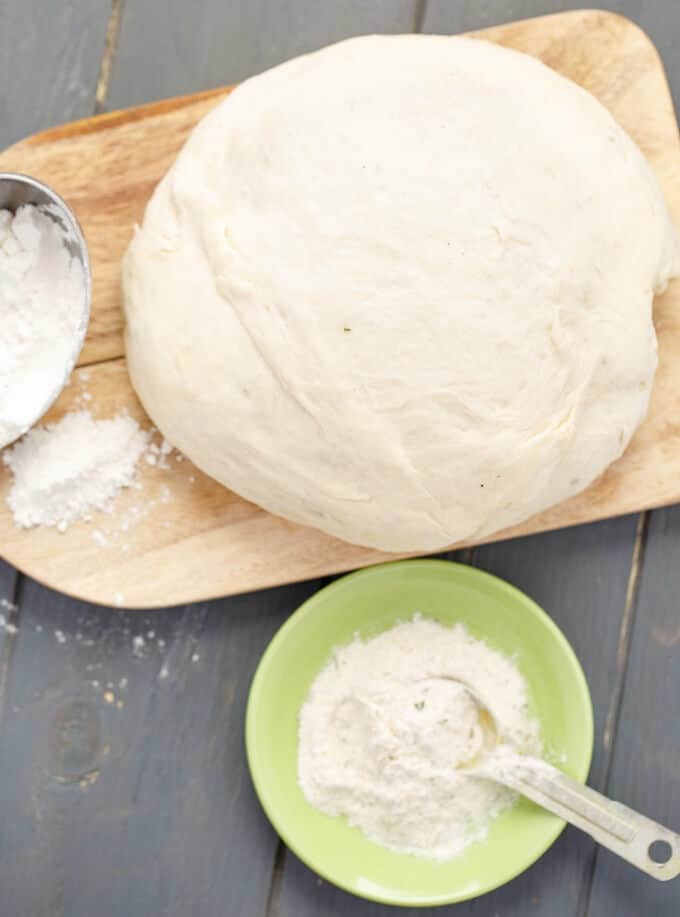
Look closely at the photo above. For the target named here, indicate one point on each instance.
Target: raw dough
(400, 290)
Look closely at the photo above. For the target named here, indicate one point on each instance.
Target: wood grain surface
(201, 540)
(66, 47)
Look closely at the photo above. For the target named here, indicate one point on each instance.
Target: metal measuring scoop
(643, 842)
(16, 190)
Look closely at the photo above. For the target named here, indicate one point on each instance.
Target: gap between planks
(109, 55)
(113, 28)
(623, 647)
(614, 710)
(419, 13)
(276, 884)
(11, 628)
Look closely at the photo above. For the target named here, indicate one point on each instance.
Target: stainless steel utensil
(15, 190)
(643, 842)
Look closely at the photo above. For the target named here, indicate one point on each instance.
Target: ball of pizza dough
(401, 290)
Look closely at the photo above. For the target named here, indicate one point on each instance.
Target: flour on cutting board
(66, 471)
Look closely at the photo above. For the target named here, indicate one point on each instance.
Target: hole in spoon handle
(634, 837)
(660, 851)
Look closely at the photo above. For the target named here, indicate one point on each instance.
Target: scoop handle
(627, 833)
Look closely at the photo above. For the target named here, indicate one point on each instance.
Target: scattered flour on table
(138, 646)
(42, 293)
(381, 733)
(9, 627)
(7, 610)
(66, 470)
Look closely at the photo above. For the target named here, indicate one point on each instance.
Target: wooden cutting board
(182, 537)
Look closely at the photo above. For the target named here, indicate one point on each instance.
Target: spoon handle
(643, 842)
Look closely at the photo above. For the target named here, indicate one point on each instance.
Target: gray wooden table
(123, 784)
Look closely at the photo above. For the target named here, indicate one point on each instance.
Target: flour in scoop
(380, 736)
(41, 306)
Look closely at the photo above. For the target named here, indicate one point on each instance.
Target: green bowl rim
(306, 608)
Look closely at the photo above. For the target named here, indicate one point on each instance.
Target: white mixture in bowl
(381, 736)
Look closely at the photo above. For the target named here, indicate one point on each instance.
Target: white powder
(42, 290)
(65, 471)
(380, 736)
(7, 626)
(138, 646)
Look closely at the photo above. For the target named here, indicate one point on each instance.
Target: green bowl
(371, 601)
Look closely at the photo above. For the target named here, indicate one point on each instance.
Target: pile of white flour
(65, 471)
(41, 306)
(380, 737)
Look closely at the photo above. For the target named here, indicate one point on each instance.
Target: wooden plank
(125, 782)
(661, 20)
(645, 770)
(580, 577)
(610, 56)
(49, 62)
(195, 46)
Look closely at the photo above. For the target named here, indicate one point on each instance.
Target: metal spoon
(643, 842)
(16, 190)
